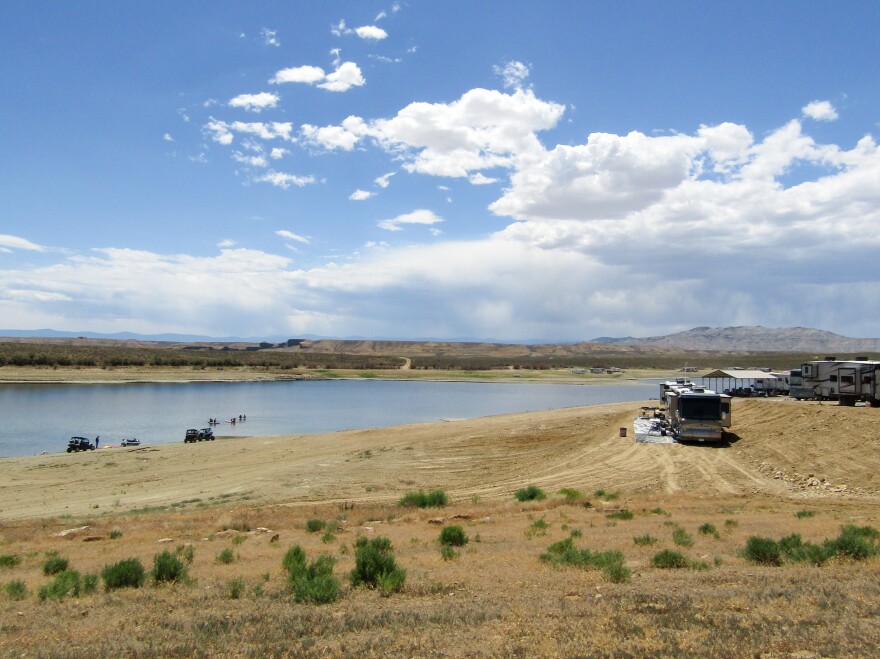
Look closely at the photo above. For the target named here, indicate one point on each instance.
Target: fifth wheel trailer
(844, 381)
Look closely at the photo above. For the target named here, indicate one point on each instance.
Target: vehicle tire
(70, 450)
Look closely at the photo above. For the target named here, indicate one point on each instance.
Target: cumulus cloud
(283, 180)
(223, 132)
(344, 77)
(371, 32)
(253, 161)
(820, 111)
(290, 235)
(420, 216)
(277, 153)
(361, 195)
(344, 137)
(481, 179)
(254, 102)
(512, 74)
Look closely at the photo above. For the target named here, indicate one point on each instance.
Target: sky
(503, 170)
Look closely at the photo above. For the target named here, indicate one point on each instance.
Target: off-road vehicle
(192, 435)
(79, 444)
(207, 434)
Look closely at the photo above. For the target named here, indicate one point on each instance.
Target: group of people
(213, 420)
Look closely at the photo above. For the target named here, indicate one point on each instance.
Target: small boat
(133, 441)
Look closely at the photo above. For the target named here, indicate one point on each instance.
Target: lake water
(42, 417)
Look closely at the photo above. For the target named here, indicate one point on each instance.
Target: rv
(695, 413)
(778, 385)
(843, 381)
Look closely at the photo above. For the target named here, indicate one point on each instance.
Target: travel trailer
(844, 381)
(778, 385)
(695, 413)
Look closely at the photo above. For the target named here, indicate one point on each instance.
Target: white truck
(843, 381)
(695, 413)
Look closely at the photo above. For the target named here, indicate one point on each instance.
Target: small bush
(16, 590)
(422, 499)
(644, 540)
(795, 549)
(571, 494)
(709, 529)
(659, 511)
(668, 559)
(682, 537)
(730, 523)
(315, 583)
(315, 525)
(763, 551)
(617, 573)
(10, 560)
(453, 536)
(67, 582)
(294, 560)
(375, 566)
(448, 553)
(564, 553)
(530, 493)
(168, 567)
(89, 583)
(620, 514)
(328, 537)
(238, 539)
(606, 496)
(186, 552)
(225, 556)
(128, 573)
(54, 565)
(805, 514)
(235, 588)
(855, 542)
(115, 534)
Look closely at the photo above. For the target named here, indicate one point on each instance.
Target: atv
(192, 435)
(79, 444)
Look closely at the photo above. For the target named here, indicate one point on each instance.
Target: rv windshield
(701, 408)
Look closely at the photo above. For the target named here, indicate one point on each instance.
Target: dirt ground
(787, 467)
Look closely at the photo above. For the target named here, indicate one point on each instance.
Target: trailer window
(847, 379)
(832, 378)
(701, 409)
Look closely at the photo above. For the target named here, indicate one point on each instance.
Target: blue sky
(507, 170)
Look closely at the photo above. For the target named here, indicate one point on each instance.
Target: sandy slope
(780, 448)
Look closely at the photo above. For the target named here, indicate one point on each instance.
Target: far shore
(131, 375)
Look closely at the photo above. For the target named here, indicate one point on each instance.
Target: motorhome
(778, 385)
(844, 381)
(695, 413)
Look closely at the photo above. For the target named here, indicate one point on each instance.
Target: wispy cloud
(290, 235)
(420, 216)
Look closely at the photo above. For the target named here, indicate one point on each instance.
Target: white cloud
(344, 137)
(283, 180)
(480, 179)
(512, 74)
(226, 243)
(306, 74)
(14, 242)
(167, 137)
(371, 32)
(339, 29)
(385, 180)
(361, 195)
(820, 111)
(346, 76)
(253, 161)
(290, 235)
(277, 153)
(270, 37)
(420, 216)
(222, 132)
(254, 102)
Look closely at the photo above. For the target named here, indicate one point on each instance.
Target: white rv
(844, 381)
(695, 413)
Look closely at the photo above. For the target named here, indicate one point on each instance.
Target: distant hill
(755, 339)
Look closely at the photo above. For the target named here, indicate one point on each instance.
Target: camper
(695, 413)
(778, 385)
(797, 390)
(843, 381)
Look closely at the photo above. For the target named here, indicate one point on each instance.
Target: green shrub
(294, 560)
(644, 540)
(235, 588)
(668, 559)
(795, 549)
(225, 556)
(55, 564)
(16, 590)
(10, 560)
(856, 542)
(375, 566)
(453, 536)
(128, 573)
(315, 525)
(238, 539)
(564, 553)
(730, 523)
(709, 529)
(67, 582)
(186, 552)
(763, 551)
(168, 567)
(659, 511)
(115, 534)
(315, 583)
(571, 494)
(606, 496)
(805, 514)
(682, 537)
(620, 514)
(422, 499)
(448, 552)
(530, 493)
(89, 583)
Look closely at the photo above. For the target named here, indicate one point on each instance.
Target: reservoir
(42, 417)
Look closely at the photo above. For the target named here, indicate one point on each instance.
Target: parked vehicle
(207, 434)
(79, 444)
(132, 441)
(844, 381)
(695, 413)
(192, 435)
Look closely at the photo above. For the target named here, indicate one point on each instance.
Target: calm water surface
(41, 417)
